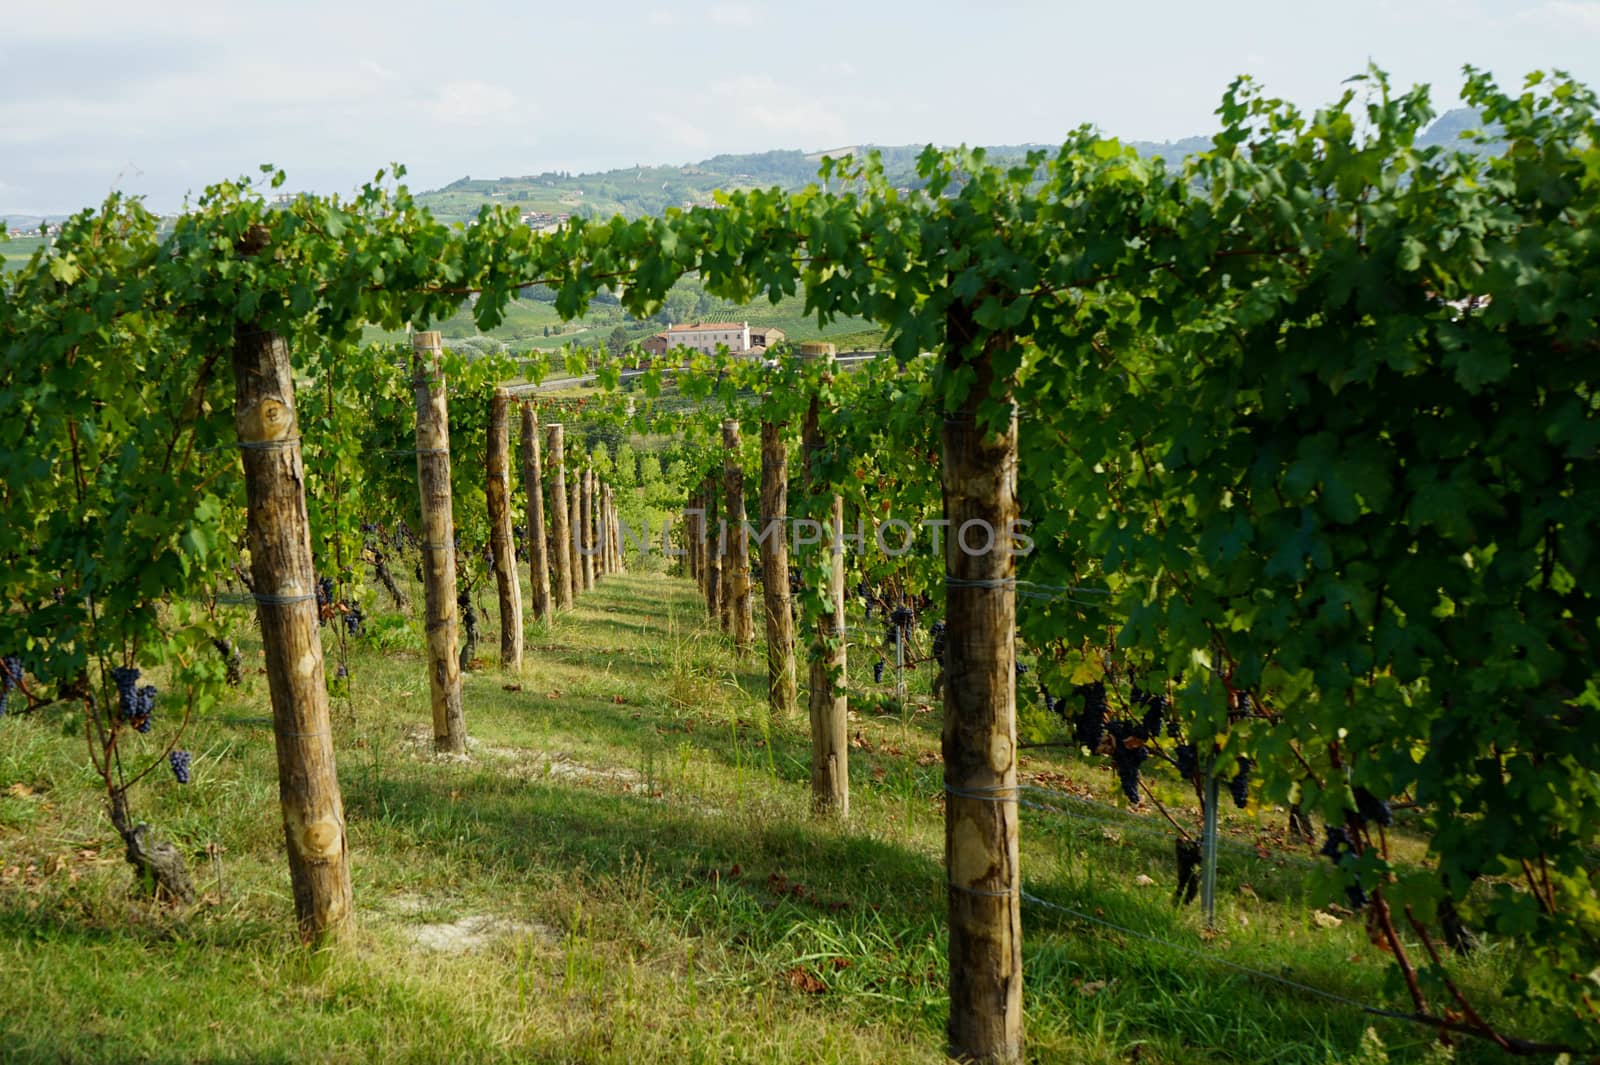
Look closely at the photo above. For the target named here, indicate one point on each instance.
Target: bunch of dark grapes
(10, 678)
(1187, 758)
(134, 704)
(1371, 808)
(869, 609)
(1022, 668)
(1091, 721)
(901, 618)
(233, 659)
(1337, 845)
(940, 638)
(877, 671)
(1051, 703)
(1128, 757)
(324, 598)
(179, 760)
(1189, 860)
(1239, 786)
(354, 620)
(1155, 706)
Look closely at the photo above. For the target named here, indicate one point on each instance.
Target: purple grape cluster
(355, 621)
(10, 679)
(1129, 758)
(877, 672)
(1155, 706)
(324, 597)
(1239, 786)
(1334, 848)
(1371, 808)
(179, 760)
(135, 705)
(1187, 758)
(1090, 724)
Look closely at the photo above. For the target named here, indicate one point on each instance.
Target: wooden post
(586, 525)
(619, 561)
(575, 514)
(725, 534)
(774, 544)
(597, 519)
(502, 543)
(560, 542)
(291, 636)
(713, 556)
(690, 555)
(738, 540)
(608, 562)
(979, 475)
(438, 542)
(697, 536)
(830, 739)
(533, 483)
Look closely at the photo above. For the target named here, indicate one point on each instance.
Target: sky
(161, 97)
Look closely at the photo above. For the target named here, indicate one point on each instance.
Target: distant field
(17, 250)
(534, 325)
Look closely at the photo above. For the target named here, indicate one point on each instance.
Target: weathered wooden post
(774, 546)
(502, 541)
(291, 636)
(830, 739)
(597, 519)
(725, 533)
(619, 560)
(690, 555)
(560, 541)
(608, 561)
(586, 525)
(697, 536)
(713, 556)
(738, 577)
(979, 476)
(438, 542)
(575, 515)
(533, 484)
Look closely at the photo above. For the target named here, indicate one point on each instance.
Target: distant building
(765, 337)
(702, 336)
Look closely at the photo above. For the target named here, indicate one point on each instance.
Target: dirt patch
(475, 932)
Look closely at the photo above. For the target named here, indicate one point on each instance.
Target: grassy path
(623, 869)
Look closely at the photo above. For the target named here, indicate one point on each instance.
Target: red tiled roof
(704, 326)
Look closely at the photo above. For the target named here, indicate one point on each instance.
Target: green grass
(635, 810)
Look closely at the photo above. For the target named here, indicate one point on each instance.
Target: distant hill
(648, 190)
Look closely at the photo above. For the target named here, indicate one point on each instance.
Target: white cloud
(1565, 16)
(788, 112)
(742, 16)
(683, 133)
(471, 103)
(660, 17)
